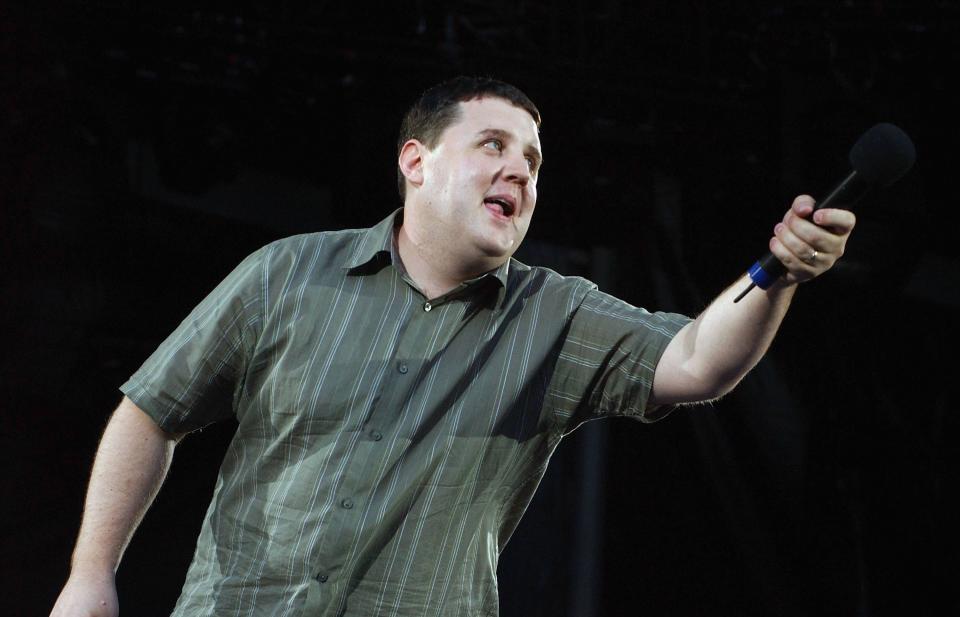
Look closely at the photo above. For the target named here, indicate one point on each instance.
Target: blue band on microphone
(760, 276)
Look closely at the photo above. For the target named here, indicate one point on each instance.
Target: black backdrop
(146, 150)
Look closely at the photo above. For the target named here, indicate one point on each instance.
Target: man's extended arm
(710, 355)
(131, 463)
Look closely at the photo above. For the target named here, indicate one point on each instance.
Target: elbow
(691, 378)
(722, 384)
(707, 386)
(721, 391)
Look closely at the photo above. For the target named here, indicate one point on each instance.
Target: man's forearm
(131, 463)
(714, 352)
(735, 336)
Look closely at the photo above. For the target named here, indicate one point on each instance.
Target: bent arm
(131, 463)
(711, 354)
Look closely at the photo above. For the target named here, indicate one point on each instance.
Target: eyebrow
(505, 136)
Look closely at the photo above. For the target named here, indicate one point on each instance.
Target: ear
(411, 161)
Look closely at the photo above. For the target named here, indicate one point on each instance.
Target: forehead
(491, 113)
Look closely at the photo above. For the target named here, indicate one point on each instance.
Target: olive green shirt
(387, 444)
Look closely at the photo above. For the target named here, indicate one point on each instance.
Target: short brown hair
(439, 107)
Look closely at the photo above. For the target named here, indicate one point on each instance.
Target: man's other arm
(131, 463)
(711, 354)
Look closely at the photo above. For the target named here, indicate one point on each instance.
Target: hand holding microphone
(879, 158)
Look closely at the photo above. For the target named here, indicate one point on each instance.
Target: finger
(823, 240)
(789, 259)
(803, 206)
(808, 233)
(836, 220)
(798, 247)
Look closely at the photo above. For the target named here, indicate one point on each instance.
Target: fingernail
(778, 228)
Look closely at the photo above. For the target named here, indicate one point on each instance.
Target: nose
(517, 169)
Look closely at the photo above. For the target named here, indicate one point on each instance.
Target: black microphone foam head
(883, 154)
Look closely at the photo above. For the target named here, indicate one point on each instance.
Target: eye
(494, 144)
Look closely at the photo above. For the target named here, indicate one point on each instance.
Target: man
(399, 389)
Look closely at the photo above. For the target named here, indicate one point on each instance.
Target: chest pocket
(298, 405)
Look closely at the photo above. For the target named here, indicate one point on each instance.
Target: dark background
(145, 150)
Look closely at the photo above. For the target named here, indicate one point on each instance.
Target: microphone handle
(766, 270)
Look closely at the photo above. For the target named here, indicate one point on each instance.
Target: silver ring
(813, 257)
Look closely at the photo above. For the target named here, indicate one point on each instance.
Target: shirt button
(347, 503)
(402, 368)
(322, 578)
(427, 306)
(376, 435)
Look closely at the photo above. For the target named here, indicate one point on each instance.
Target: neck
(435, 269)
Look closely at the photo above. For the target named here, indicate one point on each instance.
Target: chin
(496, 246)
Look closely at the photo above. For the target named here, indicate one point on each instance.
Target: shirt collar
(374, 241)
(378, 242)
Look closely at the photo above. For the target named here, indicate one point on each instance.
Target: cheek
(461, 177)
(531, 197)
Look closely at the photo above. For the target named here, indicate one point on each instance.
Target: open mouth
(505, 206)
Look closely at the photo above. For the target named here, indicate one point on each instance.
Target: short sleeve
(608, 359)
(195, 375)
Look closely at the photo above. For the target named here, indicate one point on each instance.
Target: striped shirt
(388, 444)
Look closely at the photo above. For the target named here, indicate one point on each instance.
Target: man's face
(480, 180)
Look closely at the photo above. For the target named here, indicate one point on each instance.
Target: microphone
(880, 157)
